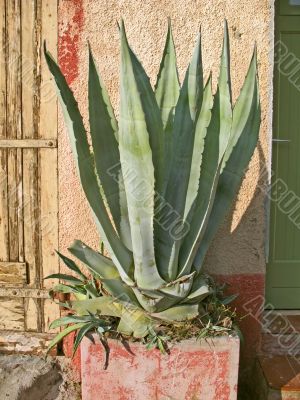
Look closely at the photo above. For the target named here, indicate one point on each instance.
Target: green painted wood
(289, 7)
(283, 270)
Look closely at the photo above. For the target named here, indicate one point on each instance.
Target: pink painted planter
(194, 370)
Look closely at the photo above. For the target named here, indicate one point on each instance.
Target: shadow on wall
(239, 245)
(250, 286)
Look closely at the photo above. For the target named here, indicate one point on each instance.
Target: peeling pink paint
(222, 388)
(251, 293)
(249, 304)
(194, 370)
(71, 22)
(68, 343)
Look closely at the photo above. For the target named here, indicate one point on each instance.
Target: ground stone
(25, 377)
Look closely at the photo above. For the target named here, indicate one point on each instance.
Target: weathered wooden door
(283, 271)
(28, 174)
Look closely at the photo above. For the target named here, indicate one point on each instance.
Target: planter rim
(210, 342)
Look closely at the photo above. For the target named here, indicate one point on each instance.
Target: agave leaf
(180, 287)
(68, 320)
(178, 313)
(242, 148)
(124, 223)
(85, 163)
(199, 294)
(65, 277)
(167, 89)
(91, 290)
(167, 296)
(151, 112)
(64, 288)
(155, 301)
(243, 107)
(81, 334)
(223, 95)
(80, 296)
(200, 134)
(167, 243)
(134, 323)
(96, 262)
(64, 333)
(78, 291)
(120, 291)
(202, 210)
(138, 171)
(71, 265)
(216, 142)
(101, 305)
(195, 81)
(104, 128)
(229, 299)
(104, 267)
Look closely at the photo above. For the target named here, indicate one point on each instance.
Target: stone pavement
(25, 377)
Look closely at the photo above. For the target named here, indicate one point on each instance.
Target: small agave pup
(159, 183)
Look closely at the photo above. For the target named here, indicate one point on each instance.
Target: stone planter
(194, 370)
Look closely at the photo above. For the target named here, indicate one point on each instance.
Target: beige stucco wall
(239, 245)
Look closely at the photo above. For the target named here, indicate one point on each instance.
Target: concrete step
(277, 378)
(277, 344)
(277, 372)
(281, 322)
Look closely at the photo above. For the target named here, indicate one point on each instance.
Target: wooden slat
(19, 168)
(48, 110)
(28, 143)
(2, 71)
(24, 292)
(24, 343)
(29, 70)
(48, 175)
(31, 27)
(49, 213)
(31, 216)
(32, 310)
(12, 274)
(13, 126)
(4, 237)
(13, 205)
(11, 314)
(48, 162)
(49, 225)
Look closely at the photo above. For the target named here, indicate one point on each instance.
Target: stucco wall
(239, 245)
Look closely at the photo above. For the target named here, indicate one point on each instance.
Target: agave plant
(159, 183)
